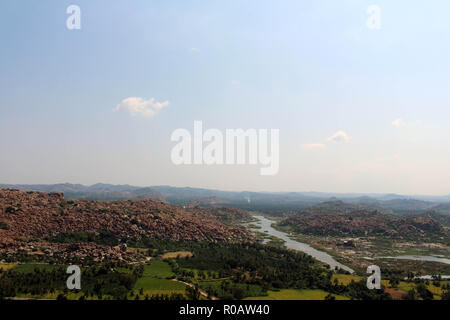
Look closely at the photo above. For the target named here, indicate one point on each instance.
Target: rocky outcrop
(37, 215)
(224, 214)
(366, 223)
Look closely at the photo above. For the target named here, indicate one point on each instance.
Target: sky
(358, 109)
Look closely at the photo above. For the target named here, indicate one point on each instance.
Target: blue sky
(308, 68)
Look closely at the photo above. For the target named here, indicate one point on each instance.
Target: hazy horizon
(231, 190)
(358, 110)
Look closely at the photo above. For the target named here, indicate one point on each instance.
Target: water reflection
(266, 227)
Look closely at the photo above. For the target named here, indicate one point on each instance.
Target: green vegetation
(151, 284)
(409, 290)
(293, 294)
(157, 280)
(227, 289)
(221, 270)
(104, 237)
(158, 269)
(40, 280)
(4, 226)
(274, 241)
(33, 267)
(252, 269)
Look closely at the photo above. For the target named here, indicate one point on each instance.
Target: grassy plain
(30, 267)
(294, 294)
(155, 280)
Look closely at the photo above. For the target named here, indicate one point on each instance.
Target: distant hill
(442, 217)
(280, 204)
(443, 207)
(224, 214)
(99, 191)
(340, 219)
(339, 207)
(407, 204)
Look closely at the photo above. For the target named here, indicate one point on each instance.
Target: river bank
(356, 254)
(265, 225)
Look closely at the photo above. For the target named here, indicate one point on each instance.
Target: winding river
(421, 258)
(266, 227)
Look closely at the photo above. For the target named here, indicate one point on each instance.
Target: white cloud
(340, 136)
(313, 146)
(140, 106)
(398, 123)
(196, 50)
(235, 82)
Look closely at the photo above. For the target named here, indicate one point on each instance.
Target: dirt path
(218, 279)
(202, 292)
(147, 259)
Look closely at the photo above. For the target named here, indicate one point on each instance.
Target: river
(420, 258)
(266, 225)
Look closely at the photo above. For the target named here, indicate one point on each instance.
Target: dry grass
(7, 266)
(177, 255)
(345, 279)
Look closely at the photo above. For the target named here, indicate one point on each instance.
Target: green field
(403, 285)
(293, 294)
(158, 269)
(150, 283)
(196, 272)
(53, 296)
(345, 279)
(251, 289)
(124, 270)
(154, 280)
(30, 267)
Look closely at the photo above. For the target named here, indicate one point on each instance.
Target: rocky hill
(26, 216)
(207, 202)
(442, 217)
(227, 215)
(338, 207)
(98, 191)
(339, 220)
